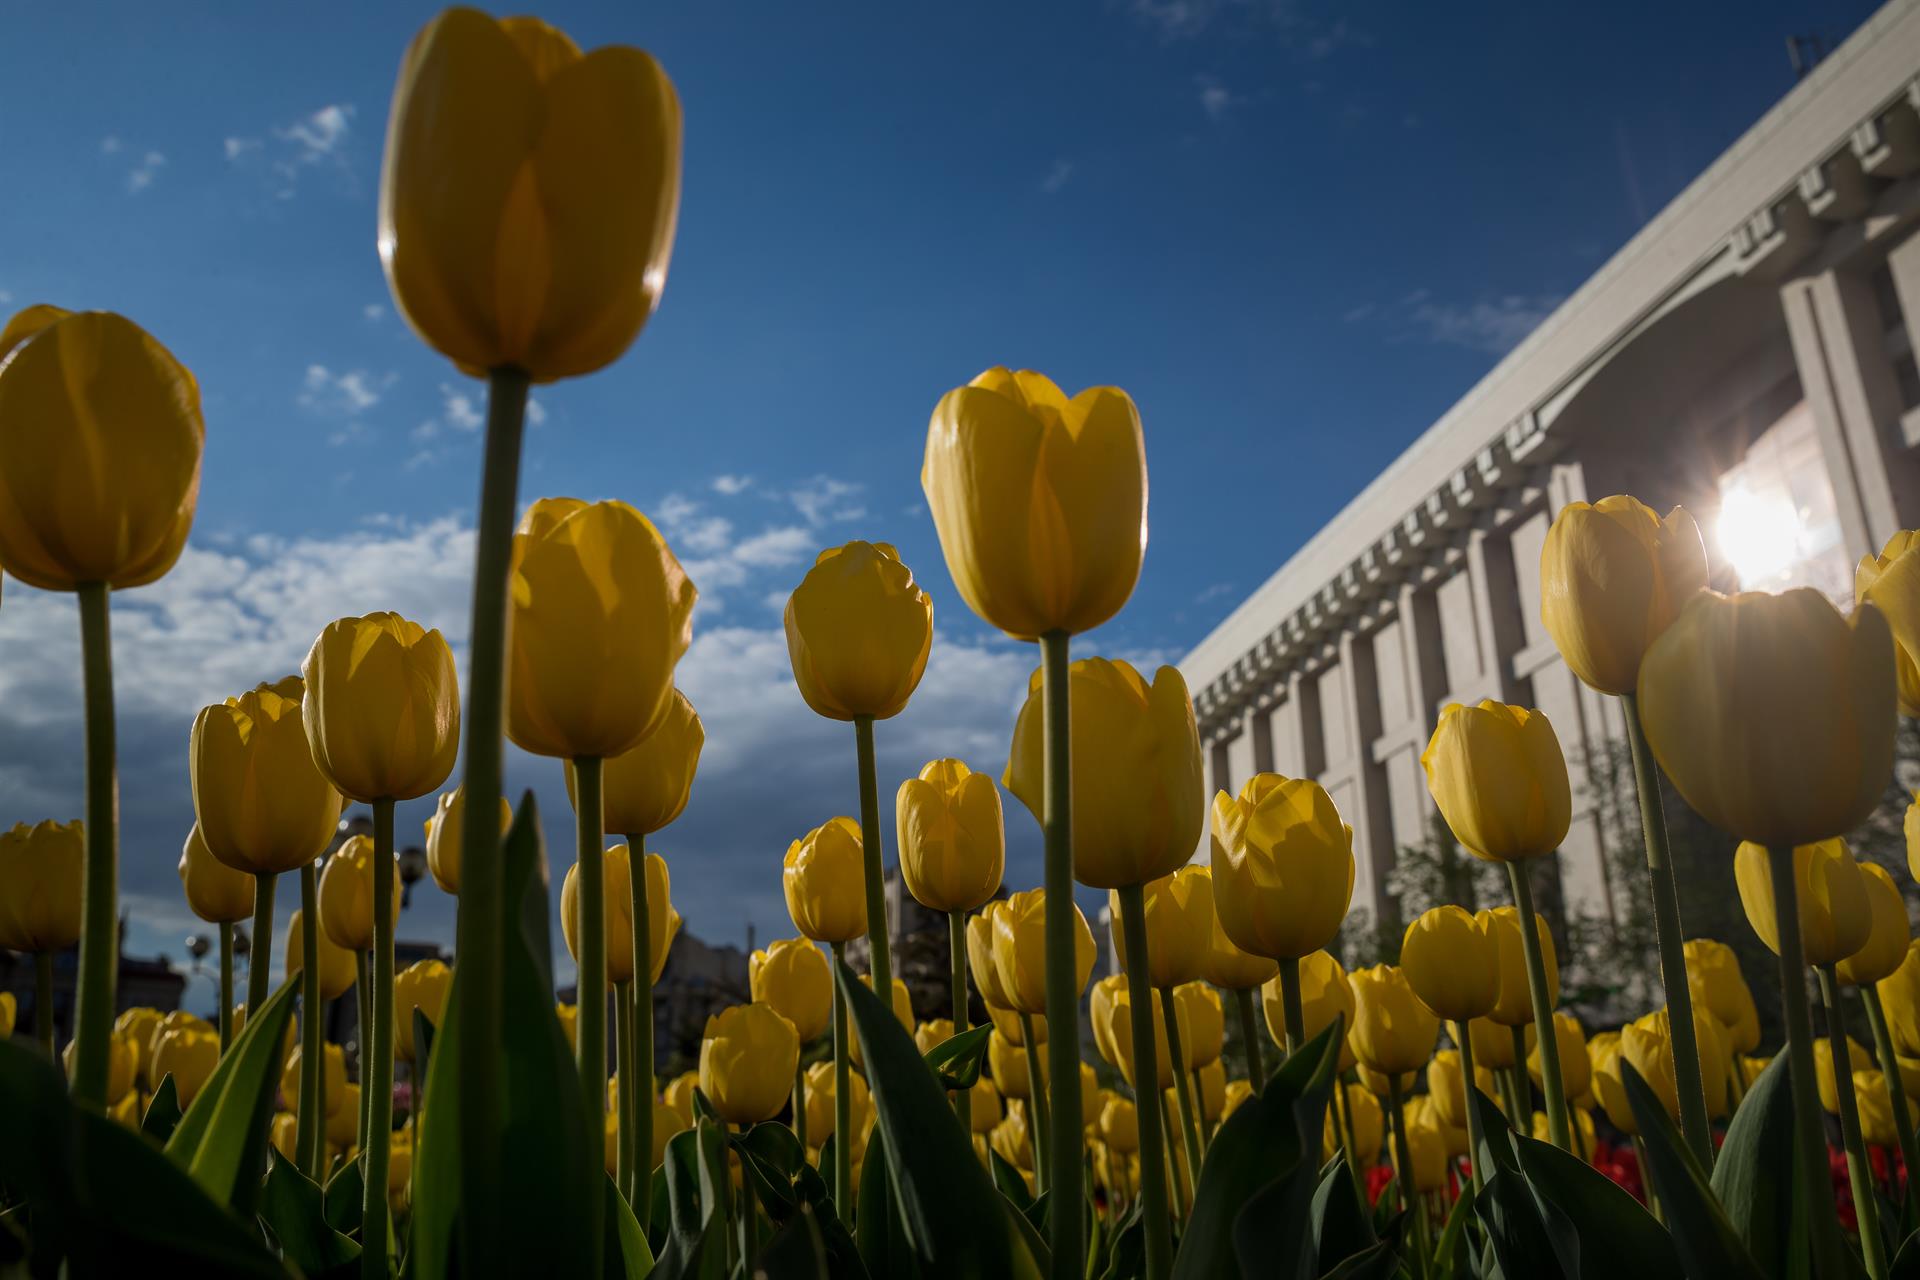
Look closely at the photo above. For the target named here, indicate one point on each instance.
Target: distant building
(150, 981)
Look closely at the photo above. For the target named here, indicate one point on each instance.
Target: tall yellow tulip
(1114, 1031)
(1208, 1020)
(189, 1055)
(617, 907)
(1836, 915)
(825, 883)
(1019, 951)
(42, 868)
(1713, 972)
(215, 892)
(1613, 576)
(336, 962)
(1887, 935)
(1502, 925)
(263, 805)
(1647, 1042)
(791, 977)
(382, 710)
(1499, 779)
(445, 831)
(347, 889)
(422, 985)
(1393, 1032)
(952, 837)
(747, 1060)
(1452, 963)
(646, 788)
(1179, 916)
(858, 631)
(1284, 862)
(1890, 582)
(1226, 966)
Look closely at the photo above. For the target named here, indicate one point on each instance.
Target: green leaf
(626, 1254)
(950, 1210)
(163, 1112)
(222, 1139)
(550, 1170)
(1376, 1263)
(1030, 1222)
(956, 1060)
(1707, 1242)
(1450, 1254)
(1906, 1263)
(1754, 1176)
(422, 1045)
(702, 1256)
(843, 1254)
(796, 1252)
(1342, 1227)
(776, 1145)
(345, 1198)
(877, 1226)
(1595, 1226)
(681, 1165)
(1007, 1180)
(1505, 1206)
(295, 1207)
(1128, 1260)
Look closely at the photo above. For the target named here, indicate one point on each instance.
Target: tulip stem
(1890, 1069)
(1810, 1140)
(482, 913)
(1296, 1022)
(1250, 1036)
(1641, 1165)
(1551, 1082)
(99, 890)
(1403, 1156)
(642, 1028)
(623, 1074)
(800, 1103)
(1155, 1220)
(1199, 1109)
(1694, 1125)
(1517, 1120)
(1343, 1109)
(1182, 1198)
(1063, 985)
(309, 1126)
(591, 928)
(1469, 1087)
(842, 1103)
(363, 1003)
(43, 1000)
(880, 961)
(957, 951)
(749, 1220)
(1037, 1110)
(373, 1204)
(260, 954)
(1522, 1085)
(226, 985)
(1176, 1051)
(1859, 1172)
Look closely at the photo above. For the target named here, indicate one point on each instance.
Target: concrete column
(1496, 607)
(1373, 852)
(1260, 732)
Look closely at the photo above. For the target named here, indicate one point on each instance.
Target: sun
(1759, 536)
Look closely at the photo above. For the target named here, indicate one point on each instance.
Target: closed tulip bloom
(1427, 1149)
(1647, 1042)
(1137, 788)
(952, 837)
(1099, 1005)
(1900, 996)
(679, 1095)
(40, 879)
(980, 964)
(1887, 937)
(1576, 1072)
(189, 1055)
(1858, 1056)
(931, 1034)
(1836, 915)
(1714, 978)
(1325, 994)
(1020, 951)
(444, 831)
(181, 1020)
(346, 892)
(1452, 963)
(902, 1013)
(1514, 1008)
(1447, 1086)
(1210, 1097)
(1115, 1036)
(1119, 1122)
(569, 1016)
(382, 709)
(9, 1011)
(528, 195)
(1890, 582)
(1010, 1142)
(1225, 965)
(1875, 1107)
(825, 879)
(747, 1059)
(1040, 501)
(343, 1120)
(137, 1026)
(792, 977)
(1493, 1042)
(599, 613)
(820, 1098)
(123, 1060)
(337, 970)
(100, 442)
(284, 1134)
(215, 892)
(987, 1107)
(1369, 1121)
(1007, 1063)
(264, 807)
(666, 1123)
(1238, 1091)
(858, 632)
(644, 789)
(333, 1076)
(617, 905)
(1392, 1031)
(1179, 916)
(1283, 860)
(1773, 714)
(422, 985)
(1604, 1056)
(1613, 576)
(1205, 1022)
(1499, 779)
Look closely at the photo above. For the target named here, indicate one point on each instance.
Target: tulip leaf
(422, 1049)
(797, 1251)
(345, 1198)
(771, 1187)
(1378, 1261)
(1450, 1254)
(549, 1169)
(1266, 1154)
(1595, 1226)
(947, 1205)
(1707, 1242)
(1011, 1185)
(1906, 1262)
(1754, 1176)
(1505, 1206)
(1127, 1258)
(681, 1166)
(222, 1139)
(294, 1206)
(1342, 1227)
(163, 1111)
(775, 1145)
(626, 1253)
(701, 1256)
(703, 1106)
(1030, 1222)
(956, 1060)
(877, 1226)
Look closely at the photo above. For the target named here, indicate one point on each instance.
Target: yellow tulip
(123, 1060)
(663, 922)
(188, 1054)
(1007, 1022)
(1493, 1042)
(747, 1059)
(444, 831)
(1715, 980)
(952, 837)
(337, 968)
(1576, 1071)
(931, 1034)
(679, 1095)
(347, 889)
(343, 1120)
(1447, 1086)
(1603, 1056)
(1392, 1031)
(1514, 1008)
(215, 892)
(646, 788)
(399, 1171)
(1836, 915)
(1119, 1122)
(1499, 779)
(569, 1016)
(792, 977)
(1875, 1106)
(1020, 951)
(1369, 1121)
(1238, 1091)
(1452, 963)
(1900, 997)
(1613, 576)
(1203, 1024)
(382, 709)
(100, 458)
(1579, 1119)
(263, 805)
(1647, 1042)
(1325, 993)
(528, 195)
(666, 1123)
(1890, 582)
(1099, 1006)
(980, 964)
(820, 1099)
(902, 1013)
(825, 879)
(1887, 937)
(1179, 918)
(1040, 501)
(1427, 1150)
(1007, 1063)
(283, 1135)
(137, 1025)
(1113, 1033)
(1137, 798)
(858, 632)
(1910, 829)
(422, 985)
(987, 1107)
(9, 1012)
(1858, 1057)
(1225, 964)
(1773, 715)
(333, 1077)
(600, 612)
(1285, 865)
(1010, 1141)
(40, 879)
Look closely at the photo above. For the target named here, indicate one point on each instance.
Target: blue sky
(1296, 232)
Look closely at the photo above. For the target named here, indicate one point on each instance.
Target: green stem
(623, 1072)
(373, 1205)
(1295, 1020)
(800, 1104)
(1810, 1141)
(957, 950)
(1182, 1197)
(1402, 1155)
(878, 940)
(226, 985)
(591, 930)
(1250, 1033)
(842, 1104)
(1468, 1089)
(1522, 1083)
(1694, 1124)
(1062, 987)
(1343, 1110)
(483, 916)
(1199, 1109)
(1550, 1081)
(1890, 1069)
(642, 1026)
(260, 954)
(1037, 1110)
(1146, 1075)
(1519, 1121)
(1859, 1172)
(99, 889)
(1646, 1178)
(309, 1141)
(1189, 1127)
(43, 1000)
(363, 1050)
(749, 1221)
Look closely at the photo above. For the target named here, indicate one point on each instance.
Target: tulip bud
(1209, 1092)
(40, 879)
(137, 1026)
(1113, 1033)
(902, 1013)
(122, 1061)
(1427, 1150)
(263, 805)
(1604, 1056)
(820, 1101)
(1040, 502)
(987, 1107)
(188, 1054)
(284, 1136)
(1011, 1142)
(1887, 936)
(1119, 1122)
(1007, 1064)
(1514, 1008)
(346, 892)
(825, 879)
(1369, 1121)
(337, 968)
(1836, 916)
(444, 833)
(1900, 997)
(1285, 865)
(1179, 919)
(1716, 983)
(952, 837)
(1325, 994)
(1875, 1107)
(1576, 1072)
(792, 977)
(1447, 1085)
(333, 1077)
(215, 892)
(1392, 1031)
(1224, 964)
(1858, 1057)
(529, 194)
(931, 1034)
(1452, 964)
(1203, 1024)
(1010, 1024)
(1773, 715)
(1020, 951)
(1238, 1091)
(747, 1059)
(1499, 780)
(422, 985)
(1647, 1042)
(343, 1121)
(1612, 577)
(1493, 1042)
(666, 1123)
(663, 922)
(100, 461)
(643, 790)
(858, 632)
(1890, 582)
(679, 1095)
(382, 710)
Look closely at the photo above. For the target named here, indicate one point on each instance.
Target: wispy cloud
(316, 139)
(141, 175)
(1308, 36)
(374, 312)
(237, 147)
(110, 145)
(1215, 98)
(318, 135)
(341, 397)
(1494, 324)
(823, 499)
(728, 486)
(1057, 176)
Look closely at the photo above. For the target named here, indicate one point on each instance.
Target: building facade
(1746, 355)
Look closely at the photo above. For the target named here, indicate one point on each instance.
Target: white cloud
(1495, 325)
(238, 147)
(1215, 98)
(110, 145)
(373, 312)
(6, 297)
(536, 412)
(1057, 176)
(730, 485)
(141, 176)
(459, 408)
(318, 138)
(340, 394)
(318, 135)
(824, 499)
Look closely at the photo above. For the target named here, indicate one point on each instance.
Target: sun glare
(1759, 536)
